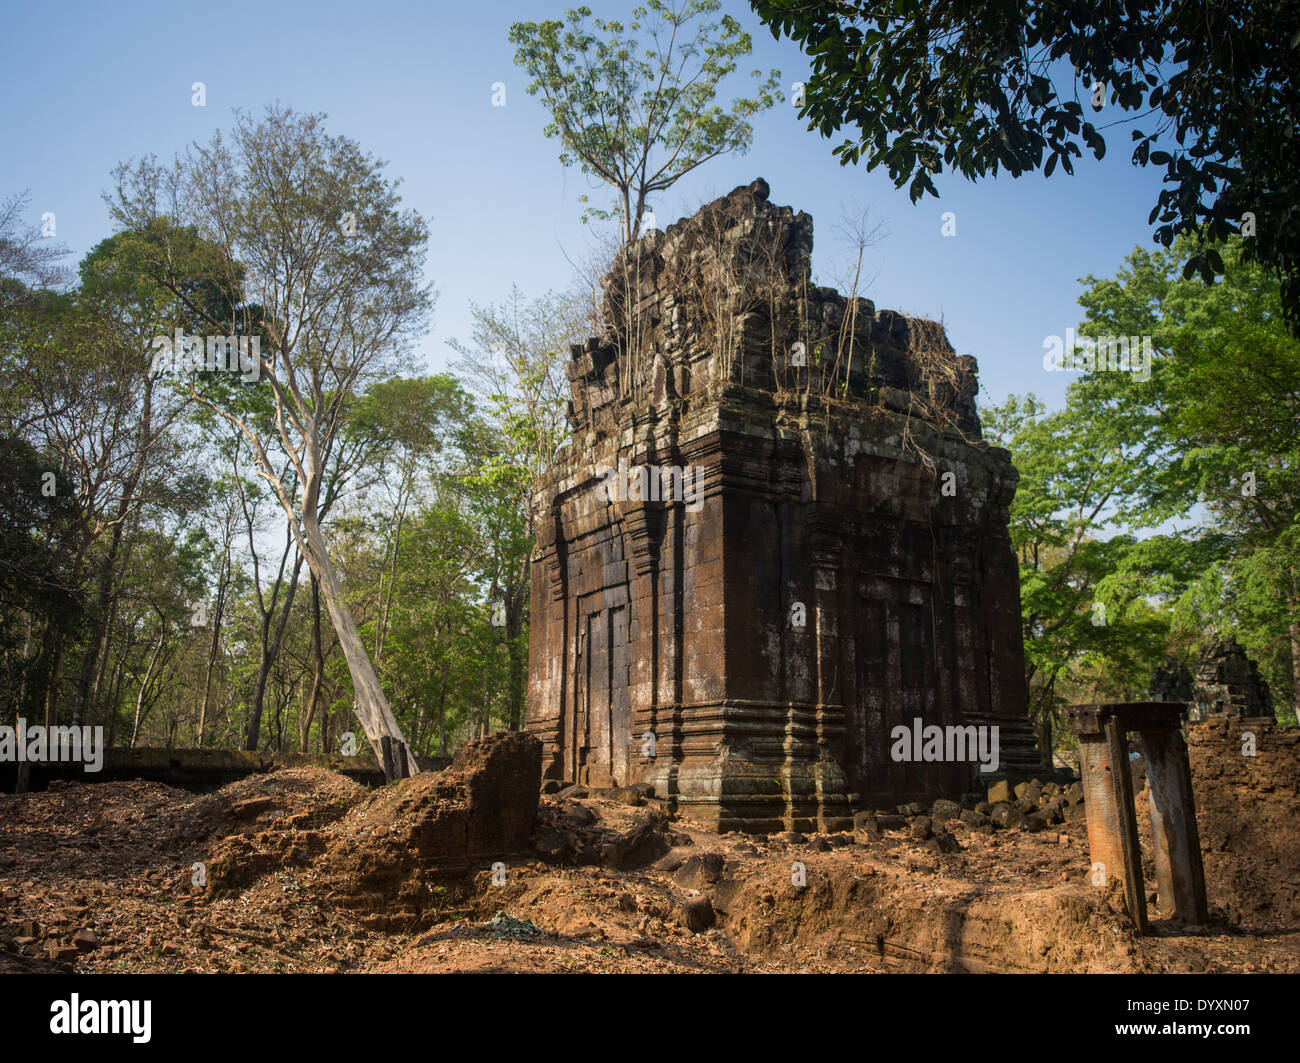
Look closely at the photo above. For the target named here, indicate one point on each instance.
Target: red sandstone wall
(1246, 812)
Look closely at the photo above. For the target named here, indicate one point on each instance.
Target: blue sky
(89, 85)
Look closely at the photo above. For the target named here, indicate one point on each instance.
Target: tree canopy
(633, 104)
(1152, 512)
(1206, 91)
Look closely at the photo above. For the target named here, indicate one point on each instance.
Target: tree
(1161, 500)
(39, 538)
(304, 232)
(1083, 612)
(516, 365)
(616, 99)
(87, 403)
(1215, 434)
(411, 423)
(1210, 90)
(30, 262)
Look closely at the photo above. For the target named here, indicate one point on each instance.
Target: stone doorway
(600, 753)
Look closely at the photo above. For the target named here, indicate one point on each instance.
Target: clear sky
(87, 85)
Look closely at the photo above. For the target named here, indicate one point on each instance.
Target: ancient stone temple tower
(775, 537)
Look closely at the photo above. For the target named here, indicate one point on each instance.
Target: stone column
(1180, 873)
(1108, 803)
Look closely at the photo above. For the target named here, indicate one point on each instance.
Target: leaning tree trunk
(373, 710)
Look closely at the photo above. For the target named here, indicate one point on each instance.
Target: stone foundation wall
(1246, 812)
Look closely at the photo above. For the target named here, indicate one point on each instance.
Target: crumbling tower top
(725, 299)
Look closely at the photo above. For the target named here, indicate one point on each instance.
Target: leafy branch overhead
(1206, 91)
(633, 104)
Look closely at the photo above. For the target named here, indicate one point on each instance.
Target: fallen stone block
(700, 871)
(866, 821)
(1029, 791)
(624, 795)
(1000, 792)
(942, 811)
(641, 844)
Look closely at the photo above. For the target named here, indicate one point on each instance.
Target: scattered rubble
(101, 878)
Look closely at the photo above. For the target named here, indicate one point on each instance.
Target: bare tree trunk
(442, 712)
(515, 676)
(104, 596)
(52, 690)
(144, 684)
(1294, 632)
(318, 672)
(516, 596)
(119, 678)
(214, 643)
(386, 601)
(485, 721)
(270, 650)
(372, 706)
(92, 707)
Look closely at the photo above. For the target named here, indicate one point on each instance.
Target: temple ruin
(1228, 683)
(773, 577)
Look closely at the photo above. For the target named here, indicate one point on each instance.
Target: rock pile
(1028, 806)
(409, 848)
(571, 832)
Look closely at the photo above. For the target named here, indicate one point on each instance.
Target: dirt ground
(101, 878)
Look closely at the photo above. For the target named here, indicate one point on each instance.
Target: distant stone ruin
(1228, 683)
(773, 576)
(1171, 682)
